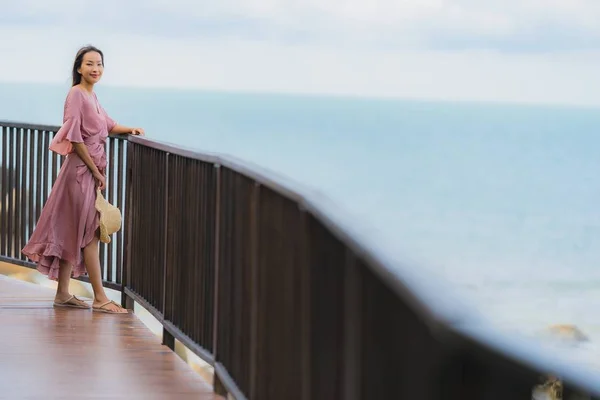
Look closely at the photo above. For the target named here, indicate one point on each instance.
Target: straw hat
(110, 217)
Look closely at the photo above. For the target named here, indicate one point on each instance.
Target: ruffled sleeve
(70, 132)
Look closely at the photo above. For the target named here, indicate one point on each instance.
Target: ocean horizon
(498, 200)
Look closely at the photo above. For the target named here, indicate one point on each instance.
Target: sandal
(101, 308)
(72, 302)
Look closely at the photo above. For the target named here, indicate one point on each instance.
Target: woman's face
(91, 67)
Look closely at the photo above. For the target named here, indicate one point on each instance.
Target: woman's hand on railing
(125, 130)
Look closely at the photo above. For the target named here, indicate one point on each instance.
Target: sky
(542, 51)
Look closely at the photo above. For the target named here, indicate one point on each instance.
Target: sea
(499, 202)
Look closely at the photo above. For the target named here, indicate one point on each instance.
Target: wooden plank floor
(78, 354)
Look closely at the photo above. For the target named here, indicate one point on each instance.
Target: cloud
(510, 50)
(236, 64)
(506, 25)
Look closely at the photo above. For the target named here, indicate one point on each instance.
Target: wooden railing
(28, 171)
(272, 287)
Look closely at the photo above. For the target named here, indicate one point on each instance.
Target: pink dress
(69, 220)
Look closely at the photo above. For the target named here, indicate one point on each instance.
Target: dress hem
(47, 257)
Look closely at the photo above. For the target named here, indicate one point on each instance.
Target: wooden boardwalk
(78, 354)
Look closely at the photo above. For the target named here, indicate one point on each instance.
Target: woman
(65, 240)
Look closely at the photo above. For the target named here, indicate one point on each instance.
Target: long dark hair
(79, 60)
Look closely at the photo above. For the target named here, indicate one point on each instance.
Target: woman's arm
(114, 127)
(82, 151)
(121, 130)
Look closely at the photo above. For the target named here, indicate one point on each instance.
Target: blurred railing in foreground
(269, 285)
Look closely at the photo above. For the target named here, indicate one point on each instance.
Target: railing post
(4, 171)
(305, 308)
(17, 183)
(352, 329)
(167, 338)
(218, 386)
(127, 301)
(254, 284)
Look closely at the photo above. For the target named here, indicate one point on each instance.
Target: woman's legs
(64, 277)
(91, 258)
